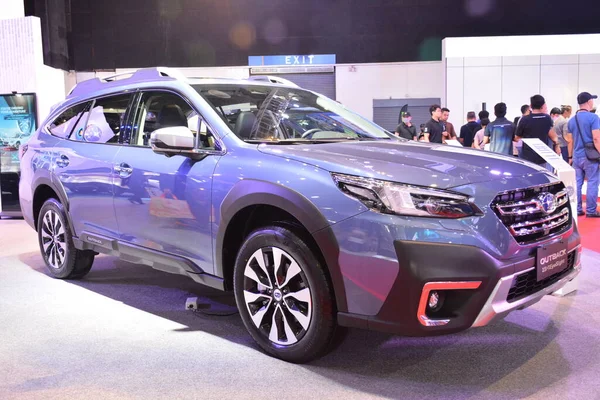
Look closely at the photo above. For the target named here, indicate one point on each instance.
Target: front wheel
(62, 259)
(284, 297)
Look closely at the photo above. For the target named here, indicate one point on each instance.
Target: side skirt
(139, 255)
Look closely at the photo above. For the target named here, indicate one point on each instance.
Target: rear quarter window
(63, 125)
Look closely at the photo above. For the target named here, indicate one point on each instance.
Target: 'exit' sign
(313, 59)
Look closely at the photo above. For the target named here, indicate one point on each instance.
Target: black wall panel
(54, 16)
(109, 34)
(386, 112)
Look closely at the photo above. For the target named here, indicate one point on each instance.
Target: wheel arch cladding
(251, 204)
(44, 191)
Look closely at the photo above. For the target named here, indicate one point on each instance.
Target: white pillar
(12, 9)
(22, 66)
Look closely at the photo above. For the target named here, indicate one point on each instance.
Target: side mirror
(173, 140)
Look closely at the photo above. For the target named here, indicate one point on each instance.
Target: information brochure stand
(566, 174)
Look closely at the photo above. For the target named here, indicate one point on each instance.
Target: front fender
(253, 192)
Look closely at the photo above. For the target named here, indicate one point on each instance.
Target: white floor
(123, 333)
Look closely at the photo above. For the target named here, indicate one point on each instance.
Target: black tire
(311, 342)
(62, 260)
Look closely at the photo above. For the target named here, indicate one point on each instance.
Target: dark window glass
(159, 110)
(63, 125)
(105, 121)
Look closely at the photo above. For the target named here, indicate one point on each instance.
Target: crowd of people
(575, 138)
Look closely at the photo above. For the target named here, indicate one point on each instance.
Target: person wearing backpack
(585, 128)
(468, 131)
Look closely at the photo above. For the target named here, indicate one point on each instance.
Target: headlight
(395, 198)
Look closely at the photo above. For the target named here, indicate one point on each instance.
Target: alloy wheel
(53, 239)
(277, 296)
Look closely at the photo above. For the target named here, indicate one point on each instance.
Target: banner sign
(292, 60)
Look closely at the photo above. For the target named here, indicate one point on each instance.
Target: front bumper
(423, 265)
(498, 307)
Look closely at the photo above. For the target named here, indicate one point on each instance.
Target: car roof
(131, 80)
(151, 78)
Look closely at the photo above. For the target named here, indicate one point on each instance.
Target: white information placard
(563, 170)
(453, 142)
(566, 174)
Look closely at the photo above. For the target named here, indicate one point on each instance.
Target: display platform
(123, 332)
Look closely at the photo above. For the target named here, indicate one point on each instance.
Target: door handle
(124, 170)
(62, 161)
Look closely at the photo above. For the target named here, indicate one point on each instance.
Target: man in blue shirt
(500, 133)
(584, 168)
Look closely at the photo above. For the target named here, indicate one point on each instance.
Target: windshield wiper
(312, 141)
(292, 141)
(363, 139)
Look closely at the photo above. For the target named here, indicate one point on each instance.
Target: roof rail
(214, 77)
(272, 79)
(140, 75)
(115, 76)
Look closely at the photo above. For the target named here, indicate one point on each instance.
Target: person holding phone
(449, 132)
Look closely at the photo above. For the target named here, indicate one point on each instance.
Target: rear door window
(157, 110)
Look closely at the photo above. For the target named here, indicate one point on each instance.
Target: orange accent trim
(430, 286)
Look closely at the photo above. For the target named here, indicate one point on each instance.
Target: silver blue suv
(313, 216)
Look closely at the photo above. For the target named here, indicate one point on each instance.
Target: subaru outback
(316, 218)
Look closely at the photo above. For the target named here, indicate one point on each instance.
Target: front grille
(527, 284)
(534, 213)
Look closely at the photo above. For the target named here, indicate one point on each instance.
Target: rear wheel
(284, 297)
(62, 259)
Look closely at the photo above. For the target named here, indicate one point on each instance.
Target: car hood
(411, 163)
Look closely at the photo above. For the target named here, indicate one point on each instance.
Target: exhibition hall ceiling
(110, 34)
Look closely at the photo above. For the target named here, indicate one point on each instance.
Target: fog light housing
(435, 301)
(432, 300)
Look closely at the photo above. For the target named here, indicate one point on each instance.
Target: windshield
(282, 114)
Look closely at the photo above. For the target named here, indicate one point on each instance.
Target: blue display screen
(17, 124)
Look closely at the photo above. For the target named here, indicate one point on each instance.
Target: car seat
(171, 115)
(244, 124)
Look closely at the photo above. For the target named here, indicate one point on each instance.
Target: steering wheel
(310, 132)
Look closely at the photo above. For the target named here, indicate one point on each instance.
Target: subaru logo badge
(548, 202)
